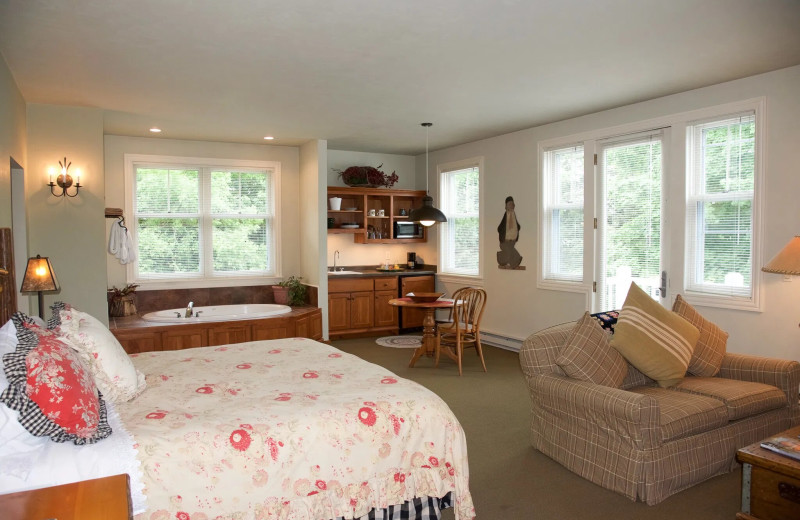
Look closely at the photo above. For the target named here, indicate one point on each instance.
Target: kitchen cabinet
(412, 318)
(355, 210)
(386, 316)
(350, 304)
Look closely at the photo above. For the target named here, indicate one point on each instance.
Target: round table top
(408, 302)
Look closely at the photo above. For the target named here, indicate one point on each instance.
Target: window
(721, 180)
(197, 220)
(612, 209)
(459, 237)
(562, 215)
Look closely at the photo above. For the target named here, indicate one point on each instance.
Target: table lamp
(787, 261)
(39, 277)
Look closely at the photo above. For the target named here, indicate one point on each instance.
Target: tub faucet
(189, 311)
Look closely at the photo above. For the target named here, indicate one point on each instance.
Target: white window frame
(442, 170)
(700, 294)
(675, 157)
(545, 281)
(208, 279)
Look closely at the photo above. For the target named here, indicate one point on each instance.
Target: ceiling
(364, 74)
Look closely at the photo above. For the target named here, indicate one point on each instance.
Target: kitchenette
(375, 254)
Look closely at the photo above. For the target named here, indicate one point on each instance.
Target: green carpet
(508, 478)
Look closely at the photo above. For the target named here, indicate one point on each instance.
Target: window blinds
(563, 214)
(460, 242)
(719, 209)
(198, 222)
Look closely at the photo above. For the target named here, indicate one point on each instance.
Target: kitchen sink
(344, 272)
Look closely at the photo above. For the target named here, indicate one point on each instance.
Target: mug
(331, 222)
(371, 213)
(380, 213)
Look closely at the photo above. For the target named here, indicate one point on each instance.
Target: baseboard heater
(504, 342)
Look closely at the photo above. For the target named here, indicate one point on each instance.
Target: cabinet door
(416, 284)
(224, 335)
(180, 339)
(361, 308)
(339, 311)
(385, 314)
(140, 342)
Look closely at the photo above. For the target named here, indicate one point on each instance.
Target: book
(786, 446)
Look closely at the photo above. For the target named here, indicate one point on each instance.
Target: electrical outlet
(787, 278)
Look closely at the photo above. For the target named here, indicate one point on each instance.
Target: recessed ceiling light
(155, 130)
(269, 138)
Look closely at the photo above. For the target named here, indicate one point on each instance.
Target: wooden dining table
(428, 346)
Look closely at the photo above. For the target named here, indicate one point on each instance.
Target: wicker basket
(123, 306)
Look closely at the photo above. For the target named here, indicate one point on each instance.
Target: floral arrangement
(117, 293)
(367, 176)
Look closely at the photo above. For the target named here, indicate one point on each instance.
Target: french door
(630, 223)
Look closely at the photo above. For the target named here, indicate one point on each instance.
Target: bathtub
(248, 311)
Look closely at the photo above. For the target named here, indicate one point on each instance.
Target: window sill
(154, 285)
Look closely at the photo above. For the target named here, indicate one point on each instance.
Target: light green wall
(71, 231)
(12, 137)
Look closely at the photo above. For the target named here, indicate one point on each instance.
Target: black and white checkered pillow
(16, 398)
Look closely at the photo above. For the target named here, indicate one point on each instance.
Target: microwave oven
(408, 230)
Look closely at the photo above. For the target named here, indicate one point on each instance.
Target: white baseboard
(500, 341)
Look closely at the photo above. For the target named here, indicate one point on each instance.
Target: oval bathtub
(248, 311)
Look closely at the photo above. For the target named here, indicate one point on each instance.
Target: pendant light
(427, 215)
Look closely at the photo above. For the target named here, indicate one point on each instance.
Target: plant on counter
(122, 302)
(367, 176)
(292, 291)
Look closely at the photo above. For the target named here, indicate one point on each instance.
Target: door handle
(662, 291)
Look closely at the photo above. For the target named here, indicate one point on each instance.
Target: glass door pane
(629, 220)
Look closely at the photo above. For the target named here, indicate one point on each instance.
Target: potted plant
(290, 291)
(122, 302)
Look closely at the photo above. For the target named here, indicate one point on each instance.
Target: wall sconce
(64, 180)
(39, 277)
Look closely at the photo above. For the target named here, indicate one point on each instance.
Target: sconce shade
(39, 276)
(787, 261)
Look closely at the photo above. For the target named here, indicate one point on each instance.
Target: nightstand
(107, 498)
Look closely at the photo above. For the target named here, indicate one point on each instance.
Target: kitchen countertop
(372, 271)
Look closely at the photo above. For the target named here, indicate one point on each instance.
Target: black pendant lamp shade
(427, 215)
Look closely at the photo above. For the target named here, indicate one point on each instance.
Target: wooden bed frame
(8, 290)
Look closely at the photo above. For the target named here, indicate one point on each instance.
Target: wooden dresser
(105, 498)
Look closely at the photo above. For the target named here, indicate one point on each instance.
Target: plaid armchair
(648, 442)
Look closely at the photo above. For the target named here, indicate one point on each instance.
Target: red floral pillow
(51, 389)
(59, 383)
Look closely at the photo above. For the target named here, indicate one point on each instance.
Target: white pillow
(114, 373)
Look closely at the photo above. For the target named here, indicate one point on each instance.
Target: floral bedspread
(288, 429)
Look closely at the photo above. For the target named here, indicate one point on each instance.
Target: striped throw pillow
(653, 339)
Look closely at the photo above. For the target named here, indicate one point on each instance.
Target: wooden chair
(463, 329)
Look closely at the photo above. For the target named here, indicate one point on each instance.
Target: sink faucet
(335, 257)
(189, 311)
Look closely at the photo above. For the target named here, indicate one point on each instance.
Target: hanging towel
(120, 243)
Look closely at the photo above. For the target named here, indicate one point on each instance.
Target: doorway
(19, 227)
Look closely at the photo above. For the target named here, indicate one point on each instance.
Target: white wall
(117, 146)
(13, 138)
(517, 308)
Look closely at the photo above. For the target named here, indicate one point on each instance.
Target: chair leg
(459, 354)
(480, 351)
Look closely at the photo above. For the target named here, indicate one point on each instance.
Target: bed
(289, 429)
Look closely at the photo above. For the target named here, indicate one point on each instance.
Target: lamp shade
(787, 261)
(427, 215)
(39, 276)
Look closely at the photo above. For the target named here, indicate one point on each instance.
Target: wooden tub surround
(137, 335)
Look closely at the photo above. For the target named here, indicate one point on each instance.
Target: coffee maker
(411, 260)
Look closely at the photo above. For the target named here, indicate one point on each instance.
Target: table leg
(428, 336)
